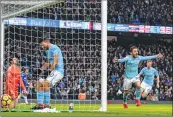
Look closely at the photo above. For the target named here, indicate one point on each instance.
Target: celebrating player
(56, 70)
(13, 79)
(131, 70)
(149, 72)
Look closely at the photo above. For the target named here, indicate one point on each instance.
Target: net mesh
(12, 8)
(81, 49)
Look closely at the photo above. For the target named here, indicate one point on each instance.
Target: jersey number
(52, 74)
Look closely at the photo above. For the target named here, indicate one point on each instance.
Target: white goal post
(104, 55)
(1, 53)
(38, 4)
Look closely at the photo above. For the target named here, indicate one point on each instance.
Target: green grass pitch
(113, 110)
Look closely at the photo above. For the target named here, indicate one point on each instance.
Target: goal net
(75, 27)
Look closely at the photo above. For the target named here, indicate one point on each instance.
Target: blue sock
(138, 93)
(40, 97)
(47, 98)
(125, 96)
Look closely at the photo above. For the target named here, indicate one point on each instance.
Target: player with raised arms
(131, 70)
(13, 80)
(149, 72)
(55, 72)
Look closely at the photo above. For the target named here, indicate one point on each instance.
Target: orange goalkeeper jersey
(13, 80)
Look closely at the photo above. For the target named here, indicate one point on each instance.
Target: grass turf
(113, 110)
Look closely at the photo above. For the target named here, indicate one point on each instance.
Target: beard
(135, 56)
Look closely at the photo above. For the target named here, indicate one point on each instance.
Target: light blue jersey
(149, 75)
(131, 64)
(55, 50)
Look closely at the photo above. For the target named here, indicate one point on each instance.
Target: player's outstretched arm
(141, 72)
(150, 57)
(158, 81)
(115, 60)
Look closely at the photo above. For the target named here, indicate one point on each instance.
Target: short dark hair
(132, 48)
(26, 67)
(44, 40)
(149, 61)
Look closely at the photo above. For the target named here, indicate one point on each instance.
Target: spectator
(152, 12)
(162, 96)
(113, 78)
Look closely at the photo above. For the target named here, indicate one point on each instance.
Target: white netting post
(104, 56)
(2, 55)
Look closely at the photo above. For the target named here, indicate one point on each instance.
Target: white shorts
(147, 88)
(128, 82)
(54, 77)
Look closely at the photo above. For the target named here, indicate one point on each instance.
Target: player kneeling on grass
(13, 80)
(56, 70)
(149, 72)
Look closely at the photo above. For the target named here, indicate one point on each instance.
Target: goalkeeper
(55, 73)
(13, 79)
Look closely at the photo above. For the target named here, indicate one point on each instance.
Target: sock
(25, 98)
(47, 98)
(138, 93)
(40, 98)
(125, 96)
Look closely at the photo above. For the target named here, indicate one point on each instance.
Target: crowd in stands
(84, 10)
(148, 12)
(164, 66)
